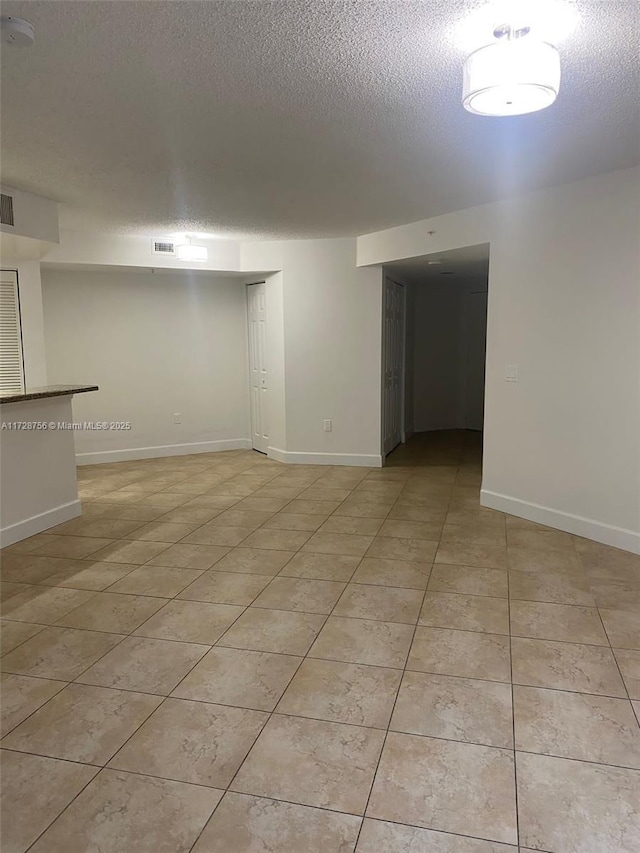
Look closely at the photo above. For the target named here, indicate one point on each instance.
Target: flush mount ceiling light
(16, 31)
(514, 75)
(190, 252)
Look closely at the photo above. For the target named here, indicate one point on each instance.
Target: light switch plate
(511, 372)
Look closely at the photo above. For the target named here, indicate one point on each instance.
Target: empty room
(320, 426)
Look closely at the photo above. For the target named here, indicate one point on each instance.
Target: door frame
(403, 371)
(248, 284)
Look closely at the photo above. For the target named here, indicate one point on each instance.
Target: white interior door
(476, 325)
(257, 320)
(393, 333)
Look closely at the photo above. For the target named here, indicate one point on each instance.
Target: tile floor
(229, 655)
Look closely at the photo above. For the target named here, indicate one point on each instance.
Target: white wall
(156, 345)
(332, 350)
(439, 321)
(561, 445)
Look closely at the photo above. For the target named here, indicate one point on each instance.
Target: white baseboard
(608, 534)
(37, 523)
(101, 456)
(361, 460)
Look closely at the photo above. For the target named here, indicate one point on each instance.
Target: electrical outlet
(511, 372)
(327, 425)
(177, 418)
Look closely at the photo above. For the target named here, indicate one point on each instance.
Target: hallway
(230, 655)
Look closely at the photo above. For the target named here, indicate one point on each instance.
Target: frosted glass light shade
(189, 252)
(511, 77)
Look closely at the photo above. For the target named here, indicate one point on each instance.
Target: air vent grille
(11, 361)
(6, 209)
(163, 247)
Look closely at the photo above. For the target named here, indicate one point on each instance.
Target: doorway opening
(436, 416)
(258, 368)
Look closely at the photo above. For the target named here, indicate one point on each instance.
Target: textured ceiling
(293, 118)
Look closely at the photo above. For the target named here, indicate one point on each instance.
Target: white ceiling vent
(163, 247)
(6, 209)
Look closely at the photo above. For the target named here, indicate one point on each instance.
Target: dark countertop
(46, 391)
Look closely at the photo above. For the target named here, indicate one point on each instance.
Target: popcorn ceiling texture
(293, 119)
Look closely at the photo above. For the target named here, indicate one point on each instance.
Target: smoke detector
(17, 31)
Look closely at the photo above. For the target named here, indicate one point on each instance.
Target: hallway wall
(561, 444)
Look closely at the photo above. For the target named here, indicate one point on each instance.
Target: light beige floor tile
(43, 605)
(190, 622)
(110, 612)
(74, 547)
(109, 528)
(362, 509)
(34, 792)
(480, 515)
(30, 568)
(404, 511)
(294, 521)
(351, 526)
(378, 836)
(163, 531)
(330, 567)
(616, 595)
(190, 556)
(279, 631)
(576, 725)
(576, 806)
(319, 493)
(411, 550)
(622, 627)
(21, 696)
(399, 529)
(397, 573)
(464, 653)
(61, 653)
(267, 505)
(490, 535)
(539, 560)
(309, 596)
(237, 517)
(187, 514)
(349, 545)
(465, 612)
(88, 575)
(314, 763)
(550, 586)
(389, 604)
(441, 784)
(126, 551)
(123, 811)
(567, 623)
(212, 534)
(150, 666)
(540, 540)
(86, 724)
(225, 588)
(254, 561)
(159, 581)
(239, 677)
(192, 742)
(629, 663)
(277, 540)
(8, 590)
(566, 666)
(245, 824)
(469, 580)
(363, 641)
(454, 708)
(313, 507)
(12, 634)
(130, 512)
(342, 693)
(482, 556)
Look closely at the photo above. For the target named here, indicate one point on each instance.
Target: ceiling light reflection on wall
(189, 251)
(513, 75)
